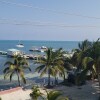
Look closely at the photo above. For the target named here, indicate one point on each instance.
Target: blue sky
(49, 20)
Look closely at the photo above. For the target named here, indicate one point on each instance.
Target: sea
(28, 44)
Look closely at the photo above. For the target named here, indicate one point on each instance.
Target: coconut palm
(51, 64)
(59, 69)
(80, 53)
(17, 67)
(36, 93)
(55, 95)
(51, 95)
(92, 61)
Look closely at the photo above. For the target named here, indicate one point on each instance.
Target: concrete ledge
(10, 90)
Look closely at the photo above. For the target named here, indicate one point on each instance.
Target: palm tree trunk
(48, 77)
(18, 79)
(99, 79)
(55, 80)
(64, 77)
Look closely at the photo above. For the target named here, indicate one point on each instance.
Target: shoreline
(87, 92)
(10, 90)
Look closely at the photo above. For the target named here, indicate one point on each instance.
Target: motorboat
(13, 52)
(34, 49)
(38, 49)
(20, 45)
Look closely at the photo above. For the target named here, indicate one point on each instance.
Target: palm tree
(36, 93)
(50, 64)
(59, 69)
(55, 95)
(82, 52)
(17, 67)
(51, 95)
(91, 62)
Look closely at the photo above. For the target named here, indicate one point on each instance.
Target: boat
(43, 48)
(20, 45)
(13, 52)
(34, 49)
(38, 49)
(3, 53)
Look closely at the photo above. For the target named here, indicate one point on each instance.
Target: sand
(17, 95)
(87, 92)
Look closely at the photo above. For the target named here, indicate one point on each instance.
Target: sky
(58, 20)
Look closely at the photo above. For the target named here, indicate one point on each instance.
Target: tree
(36, 93)
(91, 62)
(51, 64)
(80, 53)
(51, 95)
(17, 67)
(55, 95)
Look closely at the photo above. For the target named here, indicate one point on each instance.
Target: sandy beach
(85, 92)
(16, 95)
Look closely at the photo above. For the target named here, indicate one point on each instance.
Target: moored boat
(3, 53)
(38, 49)
(13, 52)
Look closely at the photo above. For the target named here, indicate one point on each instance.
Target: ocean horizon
(9, 44)
(66, 45)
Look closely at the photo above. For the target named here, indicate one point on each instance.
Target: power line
(50, 25)
(49, 10)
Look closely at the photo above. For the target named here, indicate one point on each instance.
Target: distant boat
(38, 49)
(20, 45)
(13, 52)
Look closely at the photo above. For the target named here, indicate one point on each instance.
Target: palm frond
(22, 77)
(11, 75)
(53, 95)
(39, 68)
(43, 71)
(7, 74)
(6, 69)
(26, 67)
(86, 61)
(8, 63)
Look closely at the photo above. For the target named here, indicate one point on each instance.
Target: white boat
(3, 53)
(13, 52)
(43, 48)
(20, 45)
(34, 49)
(38, 49)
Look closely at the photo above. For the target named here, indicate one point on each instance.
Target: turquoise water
(67, 45)
(8, 44)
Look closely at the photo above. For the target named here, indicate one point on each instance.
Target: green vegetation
(51, 64)
(17, 67)
(84, 60)
(51, 95)
(89, 60)
(35, 93)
